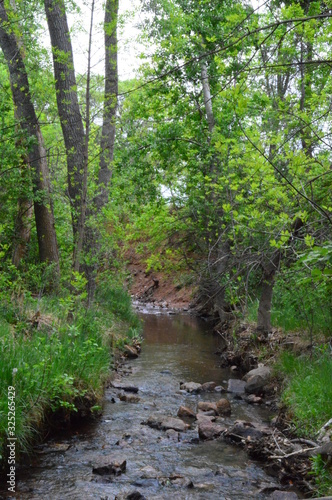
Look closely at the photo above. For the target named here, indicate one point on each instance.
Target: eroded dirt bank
(158, 289)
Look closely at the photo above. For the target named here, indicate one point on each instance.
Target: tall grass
(60, 365)
(308, 389)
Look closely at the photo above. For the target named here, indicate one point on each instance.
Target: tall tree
(36, 154)
(92, 231)
(86, 235)
(67, 102)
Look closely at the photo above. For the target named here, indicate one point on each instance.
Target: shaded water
(159, 465)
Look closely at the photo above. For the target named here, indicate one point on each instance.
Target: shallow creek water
(160, 465)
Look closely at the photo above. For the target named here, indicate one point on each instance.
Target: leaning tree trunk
(48, 250)
(67, 102)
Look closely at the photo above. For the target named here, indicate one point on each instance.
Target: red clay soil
(156, 287)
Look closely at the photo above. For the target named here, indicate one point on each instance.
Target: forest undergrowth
(57, 355)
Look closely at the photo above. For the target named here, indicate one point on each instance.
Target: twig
(294, 453)
(305, 441)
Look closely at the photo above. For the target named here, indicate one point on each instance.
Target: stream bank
(140, 448)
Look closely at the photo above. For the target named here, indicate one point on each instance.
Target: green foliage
(321, 470)
(301, 303)
(308, 390)
(57, 365)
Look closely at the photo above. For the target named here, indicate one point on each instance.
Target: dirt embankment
(157, 287)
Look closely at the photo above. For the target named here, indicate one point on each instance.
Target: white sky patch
(128, 47)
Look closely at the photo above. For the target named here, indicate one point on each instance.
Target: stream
(159, 465)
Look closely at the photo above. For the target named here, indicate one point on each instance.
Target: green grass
(308, 390)
(59, 365)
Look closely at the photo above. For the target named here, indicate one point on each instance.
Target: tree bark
(48, 250)
(83, 211)
(110, 102)
(219, 267)
(67, 102)
(22, 230)
(92, 233)
(265, 302)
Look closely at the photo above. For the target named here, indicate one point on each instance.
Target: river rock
(164, 422)
(129, 398)
(257, 379)
(173, 435)
(223, 407)
(191, 387)
(181, 481)
(209, 386)
(263, 371)
(236, 386)
(220, 388)
(247, 430)
(124, 387)
(208, 430)
(207, 406)
(254, 400)
(255, 385)
(185, 412)
(174, 423)
(107, 466)
(149, 472)
(135, 495)
(130, 351)
(283, 495)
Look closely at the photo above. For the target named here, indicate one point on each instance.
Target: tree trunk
(265, 302)
(67, 102)
(22, 230)
(48, 250)
(110, 102)
(218, 268)
(92, 234)
(81, 230)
